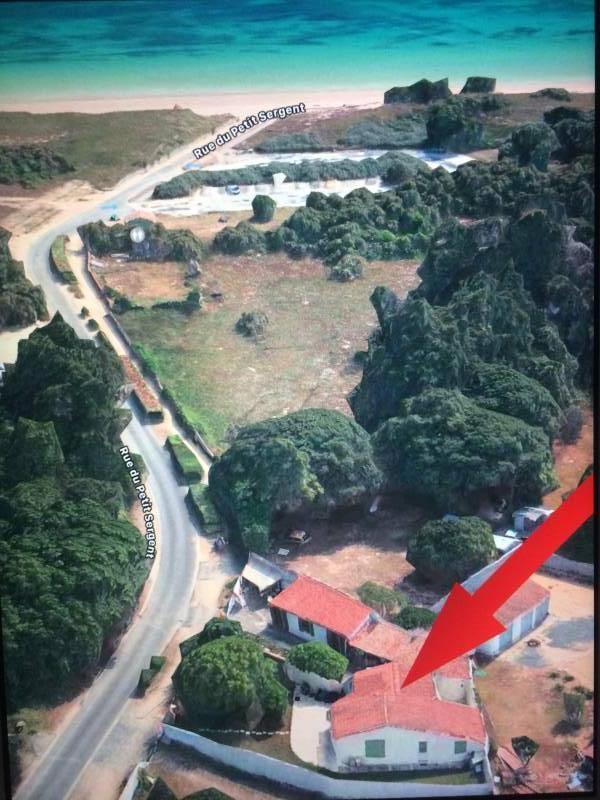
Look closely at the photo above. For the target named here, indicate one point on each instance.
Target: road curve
(165, 610)
(173, 576)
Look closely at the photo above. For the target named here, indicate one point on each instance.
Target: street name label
(145, 501)
(246, 125)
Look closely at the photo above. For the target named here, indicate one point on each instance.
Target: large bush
(449, 449)
(448, 551)
(230, 677)
(263, 207)
(411, 617)
(21, 303)
(313, 458)
(381, 598)
(319, 658)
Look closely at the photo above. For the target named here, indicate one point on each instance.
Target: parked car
(299, 537)
(233, 188)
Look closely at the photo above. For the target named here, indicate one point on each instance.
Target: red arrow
(467, 620)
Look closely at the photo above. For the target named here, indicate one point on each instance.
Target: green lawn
(104, 147)
(220, 378)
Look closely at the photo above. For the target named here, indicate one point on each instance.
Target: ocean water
(70, 49)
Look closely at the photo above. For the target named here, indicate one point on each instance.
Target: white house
(429, 724)
(521, 613)
(313, 611)
(527, 519)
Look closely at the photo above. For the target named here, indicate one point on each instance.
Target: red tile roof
(530, 595)
(377, 701)
(385, 641)
(323, 605)
(392, 643)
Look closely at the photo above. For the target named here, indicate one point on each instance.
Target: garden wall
(559, 565)
(315, 681)
(258, 765)
(131, 786)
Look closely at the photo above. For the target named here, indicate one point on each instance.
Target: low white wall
(131, 786)
(558, 565)
(260, 766)
(315, 681)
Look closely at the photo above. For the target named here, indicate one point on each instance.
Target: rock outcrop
(422, 91)
(478, 85)
(554, 94)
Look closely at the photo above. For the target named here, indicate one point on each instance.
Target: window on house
(305, 626)
(375, 748)
(422, 747)
(460, 747)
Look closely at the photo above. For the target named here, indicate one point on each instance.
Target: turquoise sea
(59, 49)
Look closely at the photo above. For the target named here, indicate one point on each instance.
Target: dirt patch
(346, 553)
(185, 773)
(305, 358)
(144, 282)
(570, 460)
(206, 226)
(523, 702)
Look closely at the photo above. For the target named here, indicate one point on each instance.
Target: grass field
(104, 147)
(305, 358)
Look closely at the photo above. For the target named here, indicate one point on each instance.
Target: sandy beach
(244, 102)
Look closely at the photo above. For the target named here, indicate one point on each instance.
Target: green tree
(227, 677)
(263, 207)
(215, 628)
(70, 576)
(35, 451)
(411, 617)
(449, 449)
(381, 598)
(319, 658)
(311, 458)
(525, 748)
(448, 551)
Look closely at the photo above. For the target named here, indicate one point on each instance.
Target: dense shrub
(319, 658)
(241, 239)
(411, 617)
(159, 243)
(499, 456)
(30, 164)
(263, 207)
(348, 268)
(448, 551)
(21, 303)
(252, 324)
(229, 677)
(381, 598)
(314, 458)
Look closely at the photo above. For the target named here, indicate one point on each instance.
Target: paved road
(174, 573)
(165, 610)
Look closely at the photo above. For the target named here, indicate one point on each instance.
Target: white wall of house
(319, 634)
(519, 628)
(456, 690)
(402, 749)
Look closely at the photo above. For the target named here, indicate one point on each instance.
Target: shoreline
(242, 102)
